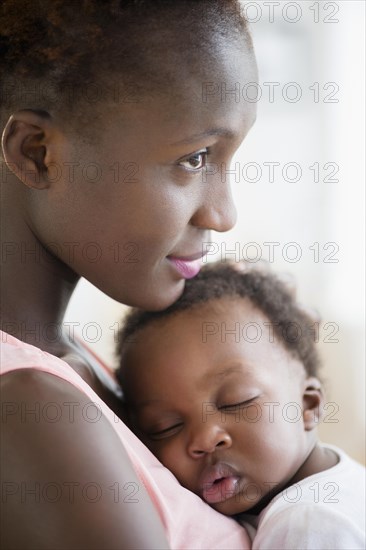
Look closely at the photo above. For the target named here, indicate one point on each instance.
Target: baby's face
(219, 403)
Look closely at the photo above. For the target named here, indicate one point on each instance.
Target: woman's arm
(65, 473)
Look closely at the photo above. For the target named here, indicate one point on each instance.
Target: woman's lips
(186, 267)
(218, 483)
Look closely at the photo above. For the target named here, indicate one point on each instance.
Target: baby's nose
(209, 440)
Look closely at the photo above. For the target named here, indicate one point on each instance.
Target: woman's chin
(162, 298)
(152, 297)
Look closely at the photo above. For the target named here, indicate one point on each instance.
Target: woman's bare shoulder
(65, 469)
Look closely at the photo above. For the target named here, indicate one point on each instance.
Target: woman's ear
(24, 146)
(313, 401)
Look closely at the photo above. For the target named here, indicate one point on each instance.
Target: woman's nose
(217, 210)
(208, 440)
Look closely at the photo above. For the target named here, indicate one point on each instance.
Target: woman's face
(147, 188)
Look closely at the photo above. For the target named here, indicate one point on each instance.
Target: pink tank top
(189, 522)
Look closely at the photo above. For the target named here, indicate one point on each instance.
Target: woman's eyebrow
(224, 132)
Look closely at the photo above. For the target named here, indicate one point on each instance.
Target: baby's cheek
(185, 470)
(171, 454)
(166, 453)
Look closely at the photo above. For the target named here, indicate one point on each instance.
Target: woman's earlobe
(24, 150)
(313, 401)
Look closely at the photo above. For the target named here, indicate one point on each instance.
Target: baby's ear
(313, 401)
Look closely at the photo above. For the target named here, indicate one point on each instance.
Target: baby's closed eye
(165, 432)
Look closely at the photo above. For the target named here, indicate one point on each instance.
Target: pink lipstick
(186, 267)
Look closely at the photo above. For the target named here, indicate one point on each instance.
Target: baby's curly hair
(49, 49)
(217, 281)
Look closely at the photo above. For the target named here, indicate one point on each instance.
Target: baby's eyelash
(235, 406)
(166, 432)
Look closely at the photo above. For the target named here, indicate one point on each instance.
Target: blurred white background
(314, 198)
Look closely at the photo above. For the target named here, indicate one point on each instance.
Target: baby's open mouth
(218, 483)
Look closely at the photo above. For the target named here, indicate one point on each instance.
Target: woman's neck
(35, 290)
(35, 285)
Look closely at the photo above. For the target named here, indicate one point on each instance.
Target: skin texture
(135, 220)
(49, 207)
(200, 401)
(71, 520)
(156, 206)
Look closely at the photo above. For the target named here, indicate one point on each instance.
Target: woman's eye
(167, 432)
(195, 162)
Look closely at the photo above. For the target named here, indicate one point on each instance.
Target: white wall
(304, 212)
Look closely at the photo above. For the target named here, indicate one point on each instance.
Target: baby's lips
(224, 489)
(218, 482)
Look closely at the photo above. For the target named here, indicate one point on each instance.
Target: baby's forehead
(202, 317)
(232, 320)
(226, 307)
